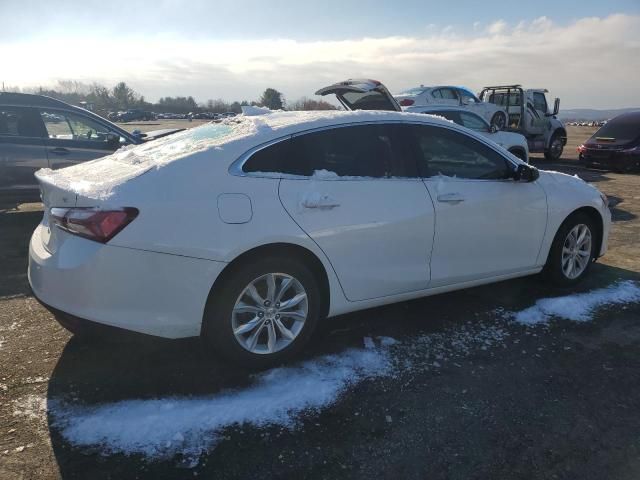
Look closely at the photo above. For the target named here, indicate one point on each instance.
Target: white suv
(514, 143)
(416, 98)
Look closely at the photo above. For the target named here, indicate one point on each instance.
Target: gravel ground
(468, 392)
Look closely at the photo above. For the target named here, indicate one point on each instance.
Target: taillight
(406, 102)
(92, 223)
(581, 149)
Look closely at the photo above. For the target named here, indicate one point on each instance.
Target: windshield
(622, 129)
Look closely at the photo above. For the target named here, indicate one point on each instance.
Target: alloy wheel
(270, 313)
(576, 251)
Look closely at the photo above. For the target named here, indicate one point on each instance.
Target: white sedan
(446, 95)
(251, 231)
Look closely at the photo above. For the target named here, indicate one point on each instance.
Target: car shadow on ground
(99, 372)
(15, 228)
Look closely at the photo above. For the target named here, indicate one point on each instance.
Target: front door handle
(60, 151)
(451, 198)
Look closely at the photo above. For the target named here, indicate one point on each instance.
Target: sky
(585, 52)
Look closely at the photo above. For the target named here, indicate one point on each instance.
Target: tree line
(103, 100)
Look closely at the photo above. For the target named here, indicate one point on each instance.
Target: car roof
(283, 123)
(30, 100)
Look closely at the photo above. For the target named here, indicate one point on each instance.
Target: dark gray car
(39, 132)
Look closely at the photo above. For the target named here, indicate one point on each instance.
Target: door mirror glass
(556, 106)
(526, 173)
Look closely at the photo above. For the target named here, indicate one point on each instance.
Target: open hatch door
(362, 94)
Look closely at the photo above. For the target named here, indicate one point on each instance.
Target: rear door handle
(451, 198)
(60, 151)
(320, 201)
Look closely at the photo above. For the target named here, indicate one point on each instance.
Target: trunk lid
(362, 94)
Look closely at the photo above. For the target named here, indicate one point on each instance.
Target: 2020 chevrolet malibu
(249, 232)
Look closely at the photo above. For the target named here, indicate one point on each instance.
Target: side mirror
(493, 129)
(556, 108)
(526, 173)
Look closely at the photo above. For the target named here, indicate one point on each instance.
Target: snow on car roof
(98, 178)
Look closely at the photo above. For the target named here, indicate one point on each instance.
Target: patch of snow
(251, 111)
(163, 427)
(578, 307)
(33, 407)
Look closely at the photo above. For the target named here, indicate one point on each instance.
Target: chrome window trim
(236, 167)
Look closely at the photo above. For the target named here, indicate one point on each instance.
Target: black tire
(556, 147)
(217, 330)
(554, 266)
(499, 119)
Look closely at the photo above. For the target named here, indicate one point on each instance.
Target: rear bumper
(146, 292)
(613, 160)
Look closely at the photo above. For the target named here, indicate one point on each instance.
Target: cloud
(589, 62)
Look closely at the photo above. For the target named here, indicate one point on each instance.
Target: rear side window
(445, 93)
(376, 151)
(446, 152)
(275, 158)
(20, 122)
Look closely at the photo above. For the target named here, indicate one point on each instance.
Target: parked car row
(600, 123)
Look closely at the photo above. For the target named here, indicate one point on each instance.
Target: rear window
(622, 129)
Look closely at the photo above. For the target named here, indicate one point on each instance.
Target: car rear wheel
(499, 119)
(265, 312)
(573, 250)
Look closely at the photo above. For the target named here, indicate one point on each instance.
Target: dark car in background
(131, 115)
(39, 132)
(616, 145)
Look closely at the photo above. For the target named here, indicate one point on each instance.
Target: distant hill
(590, 114)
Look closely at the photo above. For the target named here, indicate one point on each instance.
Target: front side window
(446, 152)
(474, 122)
(375, 151)
(20, 122)
(70, 126)
(540, 102)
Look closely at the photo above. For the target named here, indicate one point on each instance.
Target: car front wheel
(573, 250)
(264, 313)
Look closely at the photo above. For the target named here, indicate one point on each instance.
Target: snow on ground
(163, 427)
(579, 307)
(33, 407)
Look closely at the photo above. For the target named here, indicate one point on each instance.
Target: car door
(22, 150)
(445, 96)
(357, 195)
(486, 223)
(74, 138)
